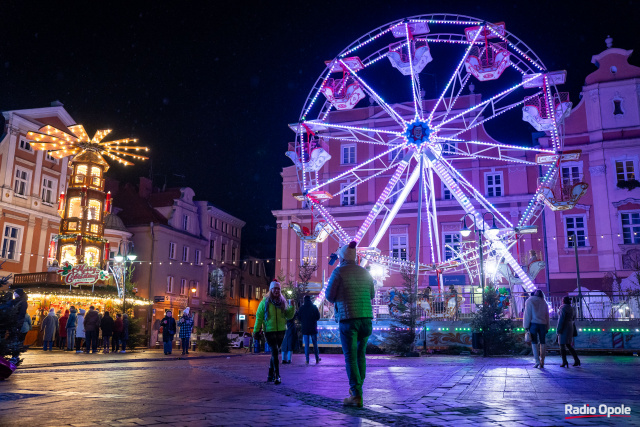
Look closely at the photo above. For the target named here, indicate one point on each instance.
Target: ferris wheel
(412, 140)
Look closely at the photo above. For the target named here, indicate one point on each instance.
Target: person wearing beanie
(309, 315)
(186, 326)
(273, 313)
(168, 324)
(80, 334)
(49, 326)
(351, 290)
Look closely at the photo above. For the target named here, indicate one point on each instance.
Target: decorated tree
(490, 320)
(215, 317)
(406, 317)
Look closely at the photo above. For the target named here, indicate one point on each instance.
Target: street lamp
(120, 269)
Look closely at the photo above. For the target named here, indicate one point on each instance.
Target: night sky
(210, 86)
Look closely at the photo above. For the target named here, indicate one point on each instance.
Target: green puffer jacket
(276, 320)
(351, 290)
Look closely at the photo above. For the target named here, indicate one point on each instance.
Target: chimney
(145, 187)
(57, 103)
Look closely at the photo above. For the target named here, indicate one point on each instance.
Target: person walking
(49, 326)
(308, 314)
(290, 341)
(186, 326)
(351, 290)
(566, 332)
(91, 327)
(124, 337)
(106, 325)
(20, 329)
(273, 312)
(80, 334)
(536, 322)
(117, 333)
(72, 322)
(168, 324)
(62, 324)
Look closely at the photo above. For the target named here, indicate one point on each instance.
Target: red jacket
(118, 325)
(63, 325)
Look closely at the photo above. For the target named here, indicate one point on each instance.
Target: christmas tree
(495, 327)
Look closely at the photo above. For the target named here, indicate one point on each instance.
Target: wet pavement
(148, 388)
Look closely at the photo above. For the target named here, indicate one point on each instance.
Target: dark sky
(210, 86)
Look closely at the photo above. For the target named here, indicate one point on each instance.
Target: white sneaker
(79, 351)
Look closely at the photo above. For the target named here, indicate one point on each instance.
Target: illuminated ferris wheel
(411, 140)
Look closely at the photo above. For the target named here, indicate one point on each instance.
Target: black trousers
(274, 339)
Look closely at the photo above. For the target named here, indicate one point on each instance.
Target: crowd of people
(81, 331)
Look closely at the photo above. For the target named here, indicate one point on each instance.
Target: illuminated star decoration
(61, 144)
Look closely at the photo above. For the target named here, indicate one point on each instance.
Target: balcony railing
(43, 278)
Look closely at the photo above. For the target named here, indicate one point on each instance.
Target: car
(239, 339)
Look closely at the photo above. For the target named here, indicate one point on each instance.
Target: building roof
(164, 198)
(135, 209)
(113, 222)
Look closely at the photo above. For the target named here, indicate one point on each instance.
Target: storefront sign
(241, 316)
(158, 299)
(448, 280)
(81, 274)
(176, 300)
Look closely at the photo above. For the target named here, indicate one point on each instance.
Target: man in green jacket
(351, 290)
(273, 312)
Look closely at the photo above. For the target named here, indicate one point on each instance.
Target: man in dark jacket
(20, 300)
(91, 325)
(72, 322)
(309, 315)
(106, 324)
(351, 290)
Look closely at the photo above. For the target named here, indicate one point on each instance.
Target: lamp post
(121, 268)
(574, 238)
(491, 232)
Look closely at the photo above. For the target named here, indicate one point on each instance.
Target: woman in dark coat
(168, 324)
(290, 342)
(566, 331)
(309, 316)
(106, 324)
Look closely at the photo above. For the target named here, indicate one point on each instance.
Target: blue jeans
(354, 334)
(185, 345)
(316, 350)
(167, 346)
(538, 333)
(71, 338)
(49, 343)
(286, 356)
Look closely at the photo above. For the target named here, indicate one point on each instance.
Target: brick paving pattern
(148, 388)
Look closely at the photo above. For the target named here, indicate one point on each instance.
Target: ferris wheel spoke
(518, 47)
(456, 76)
(477, 110)
(377, 207)
(432, 217)
(443, 171)
(381, 102)
(415, 80)
(356, 168)
(359, 134)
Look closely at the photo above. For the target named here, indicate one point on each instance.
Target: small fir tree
(495, 327)
(406, 317)
(215, 318)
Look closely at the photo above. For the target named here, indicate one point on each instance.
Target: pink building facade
(604, 124)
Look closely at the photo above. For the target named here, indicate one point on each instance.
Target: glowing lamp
(465, 230)
(132, 257)
(493, 231)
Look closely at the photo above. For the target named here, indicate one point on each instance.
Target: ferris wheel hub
(418, 133)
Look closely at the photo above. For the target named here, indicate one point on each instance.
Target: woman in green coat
(273, 313)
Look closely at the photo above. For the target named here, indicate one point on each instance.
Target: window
(185, 222)
(348, 197)
(250, 292)
(185, 253)
(24, 145)
(493, 183)
(94, 209)
(183, 286)
(212, 248)
(451, 245)
(172, 250)
(242, 292)
(217, 224)
(211, 222)
(21, 184)
(198, 256)
(196, 286)
(398, 154)
(576, 229)
(448, 148)
(625, 170)
(251, 268)
(47, 190)
(309, 253)
(169, 284)
(630, 227)
(397, 189)
(617, 107)
(223, 251)
(96, 173)
(398, 246)
(225, 227)
(257, 292)
(446, 194)
(348, 154)
(232, 287)
(571, 174)
(10, 242)
(234, 252)
(50, 158)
